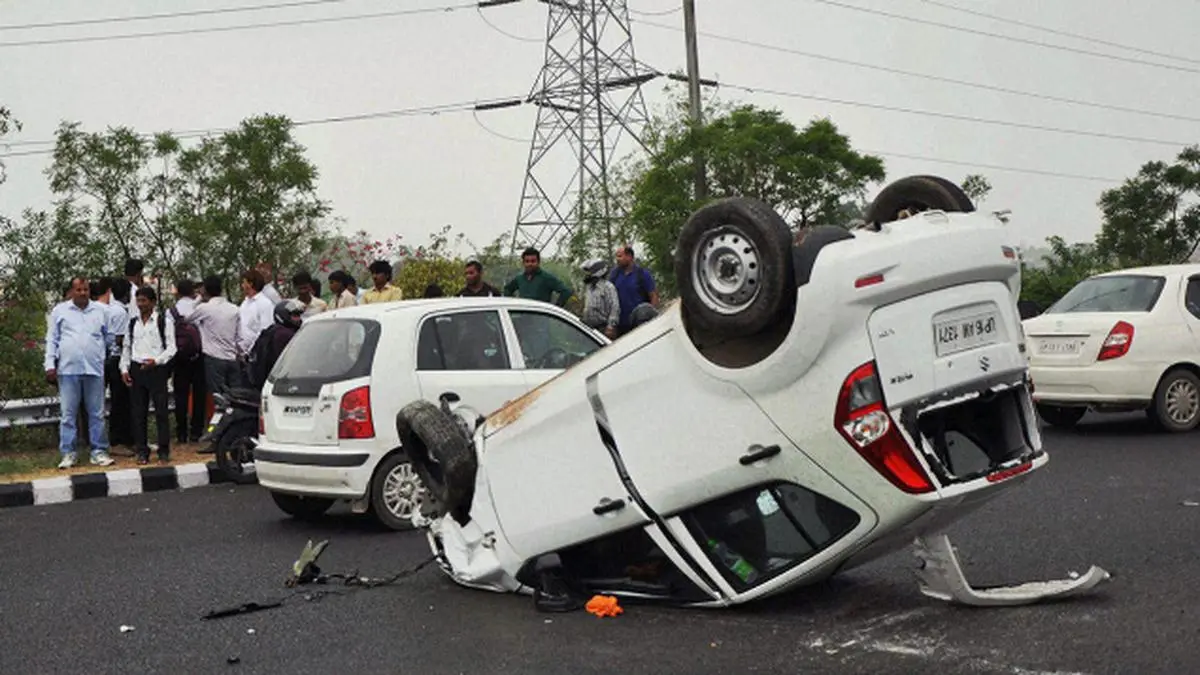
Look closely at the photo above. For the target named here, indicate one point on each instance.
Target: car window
(1192, 297)
(758, 534)
(328, 351)
(462, 341)
(549, 342)
(1122, 293)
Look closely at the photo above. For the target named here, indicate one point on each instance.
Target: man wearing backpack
(145, 366)
(635, 286)
(188, 367)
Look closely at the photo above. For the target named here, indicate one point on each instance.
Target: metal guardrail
(37, 412)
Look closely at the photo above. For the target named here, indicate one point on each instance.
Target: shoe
(68, 461)
(143, 459)
(102, 459)
(164, 459)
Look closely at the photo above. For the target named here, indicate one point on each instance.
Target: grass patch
(13, 464)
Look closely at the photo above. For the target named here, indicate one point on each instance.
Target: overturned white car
(806, 407)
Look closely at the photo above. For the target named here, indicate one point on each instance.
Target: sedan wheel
(1177, 401)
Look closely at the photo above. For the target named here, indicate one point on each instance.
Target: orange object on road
(604, 605)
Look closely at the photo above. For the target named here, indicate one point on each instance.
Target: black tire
(915, 194)
(441, 454)
(301, 508)
(1060, 416)
(748, 240)
(1179, 387)
(233, 446)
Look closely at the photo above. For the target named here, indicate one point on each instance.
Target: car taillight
(354, 416)
(1118, 342)
(262, 426)
(863, 420)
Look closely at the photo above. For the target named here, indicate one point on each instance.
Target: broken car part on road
(807, 406)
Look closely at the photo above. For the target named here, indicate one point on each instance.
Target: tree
(1153, 218)
(1065, 266)
(810, 175)
(977, 187)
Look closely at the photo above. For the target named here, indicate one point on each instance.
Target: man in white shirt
(133, 274)
(218, 320)
(188, 372)
(145, 367)
(339, 285)
(255, 313)
(303, 283)
(268, 289)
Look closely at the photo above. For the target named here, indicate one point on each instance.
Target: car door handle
(757, 452)
(607, 505)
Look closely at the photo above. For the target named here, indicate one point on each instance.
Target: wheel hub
(1183, 401)
(726, 270)
(402, 491)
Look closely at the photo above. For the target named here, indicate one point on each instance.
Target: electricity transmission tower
(589, 100)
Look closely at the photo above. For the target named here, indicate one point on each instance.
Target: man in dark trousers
(145, 367)
(120, 413)
(189, 374)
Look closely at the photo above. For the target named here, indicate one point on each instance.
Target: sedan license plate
(1063, 347)
(956, 335)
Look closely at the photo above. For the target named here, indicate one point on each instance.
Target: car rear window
(324, 352)
(1122, 293)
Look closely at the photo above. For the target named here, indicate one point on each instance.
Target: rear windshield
(1124, 293)
(324, 352)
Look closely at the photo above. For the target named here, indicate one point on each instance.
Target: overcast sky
(410, 175)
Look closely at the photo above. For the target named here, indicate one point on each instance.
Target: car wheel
(303, 508)
(734, 266)
(443, 456)
(1060, 416)
(1177, 401)
(396, 493)
(915, 194)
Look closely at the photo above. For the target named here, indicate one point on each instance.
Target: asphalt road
(71, 575)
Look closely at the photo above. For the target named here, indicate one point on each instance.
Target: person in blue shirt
(77, 341)
(635, 286)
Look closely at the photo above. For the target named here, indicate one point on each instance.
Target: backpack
(260, 360)
(187, 338)
(162, 329)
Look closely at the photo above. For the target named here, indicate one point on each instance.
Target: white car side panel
(547, 469)
(480, 390)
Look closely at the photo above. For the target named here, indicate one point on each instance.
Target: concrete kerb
(116, 483)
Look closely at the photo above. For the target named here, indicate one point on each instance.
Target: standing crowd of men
(117, 334)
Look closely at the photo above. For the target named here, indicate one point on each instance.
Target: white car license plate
(297, 410)
(1066, 347)
(956, 335)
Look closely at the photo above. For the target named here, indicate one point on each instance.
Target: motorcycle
(233, 432)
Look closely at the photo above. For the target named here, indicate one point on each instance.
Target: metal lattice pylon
(589, 100)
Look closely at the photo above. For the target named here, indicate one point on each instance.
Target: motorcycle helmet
(287, 312)
(642, 313)
(595, 269)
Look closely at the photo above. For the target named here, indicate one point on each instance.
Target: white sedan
(1121, 341)
(807, 407)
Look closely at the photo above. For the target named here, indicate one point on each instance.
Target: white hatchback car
(348, 368)
(1121, 341)
(806, 407)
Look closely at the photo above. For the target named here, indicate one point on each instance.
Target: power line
(1055, 31)
(223, 29)
(171, 15)
(463, 106)
(995, 167)
(956, 117)
(1000, 36)
(503, 32)
(927, 76)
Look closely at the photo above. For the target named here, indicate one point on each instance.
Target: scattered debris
(233, 660)
(126, 629)
(941, 577)
(250, 631)
(1190, 502)
(604, 605)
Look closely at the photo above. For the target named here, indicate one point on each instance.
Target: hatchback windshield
(329, 351)
(1125, 293)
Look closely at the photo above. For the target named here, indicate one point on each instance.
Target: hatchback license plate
(297, 410)
(956, 335)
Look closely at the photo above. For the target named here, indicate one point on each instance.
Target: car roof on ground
(1157, 270)
(422, 305)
